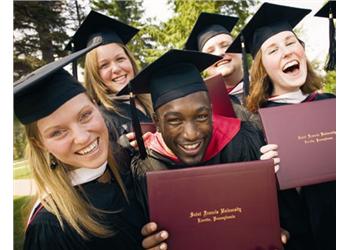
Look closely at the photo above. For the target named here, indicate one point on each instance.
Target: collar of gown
(292, 97)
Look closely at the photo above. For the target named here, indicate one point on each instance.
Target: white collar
(238, 89)
(291, 97)
(84, 175)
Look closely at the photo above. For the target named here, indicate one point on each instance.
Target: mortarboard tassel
(246, 82)
(331, 64)
(137, 127)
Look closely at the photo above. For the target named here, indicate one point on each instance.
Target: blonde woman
(282, 75)
(83, 202)
(109, 68)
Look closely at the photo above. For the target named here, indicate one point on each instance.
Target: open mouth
(222, 62)
(119, 79)
(89, 149)
(191, 148)
(291, 67)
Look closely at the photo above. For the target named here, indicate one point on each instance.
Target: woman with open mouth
(82, 200)
(282, 75)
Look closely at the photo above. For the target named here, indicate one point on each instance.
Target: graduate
(82, 202)
(189, 134)
(109, 68)
(212, 34)
(282, 75)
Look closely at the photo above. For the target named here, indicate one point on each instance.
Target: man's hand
(154, 240)
(132, 138)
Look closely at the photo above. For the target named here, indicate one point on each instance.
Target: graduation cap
(174, 75)
(269, 20)
(43, 91)
(329, 11)
(207, 26)
(98, 27)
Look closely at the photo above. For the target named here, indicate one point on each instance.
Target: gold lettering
(209, 213)
(206, 220)
(195, 214)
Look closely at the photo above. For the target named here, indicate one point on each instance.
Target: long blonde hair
(98, 90)
(261, 86)
(56, 193)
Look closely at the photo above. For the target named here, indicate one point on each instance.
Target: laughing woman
(282, 75)
(82, 201)
(109, 68)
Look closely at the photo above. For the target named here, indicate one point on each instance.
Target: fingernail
(162, 246)
(164, 235)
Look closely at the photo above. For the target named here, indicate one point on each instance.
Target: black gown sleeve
(245, 146)
(45, 233)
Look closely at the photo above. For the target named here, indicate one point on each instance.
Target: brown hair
(96, 88)
(261, 86)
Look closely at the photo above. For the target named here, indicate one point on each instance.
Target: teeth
(191, 146)
(290, 64)
(88, 149)
(118, 78)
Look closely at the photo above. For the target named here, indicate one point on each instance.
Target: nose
(115, 67)
(81, 135)
(219, 51)
(190, 131)
(286, 51)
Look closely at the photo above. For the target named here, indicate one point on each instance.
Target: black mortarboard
(173, 75)
(269, 20)
(329, 11)
(97, 26)
(207, 26)
(43, 91)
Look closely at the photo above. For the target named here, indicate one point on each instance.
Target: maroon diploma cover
(306, 138)
(220, 100)
(226, 206)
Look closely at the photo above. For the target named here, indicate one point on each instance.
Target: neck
(233, 79)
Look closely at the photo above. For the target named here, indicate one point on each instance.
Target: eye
(57, 133)
(85, 116)
(103, 66)
(120, 59)
(174, 121)
(272, 51)
(290, 43)
(202, 117)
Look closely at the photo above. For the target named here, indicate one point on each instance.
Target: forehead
(107, 49)
(281, 36)
(187, 104)
(217, 40)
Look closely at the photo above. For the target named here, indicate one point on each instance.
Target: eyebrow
(201, 109)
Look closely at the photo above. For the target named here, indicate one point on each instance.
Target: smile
(119, 78)
(89, 149)
(291, 67)
(222, 62)
(190, 148)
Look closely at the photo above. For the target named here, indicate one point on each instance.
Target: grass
(20, 204)
(21, 170)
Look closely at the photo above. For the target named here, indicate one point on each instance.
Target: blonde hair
(98, 90)
(56, 193)
(261, 86)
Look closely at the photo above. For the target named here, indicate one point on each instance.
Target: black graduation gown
(44, 232)
(244, 146)
(309, 215)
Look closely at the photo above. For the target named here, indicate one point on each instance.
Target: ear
(156, 119)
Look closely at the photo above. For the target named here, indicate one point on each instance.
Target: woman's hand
(269, 151)
(153, 240)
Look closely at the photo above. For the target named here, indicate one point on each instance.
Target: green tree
(39, 34)
(330, 82)
(174, 32)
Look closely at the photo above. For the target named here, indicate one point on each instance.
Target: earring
(53, 162)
